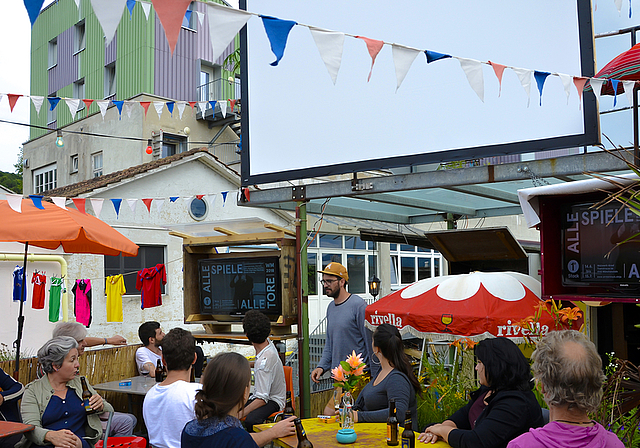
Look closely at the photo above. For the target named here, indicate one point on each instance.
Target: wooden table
(323, 435)
(11, 428)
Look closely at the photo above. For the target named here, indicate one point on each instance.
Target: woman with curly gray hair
(53, 403)
(568, 370)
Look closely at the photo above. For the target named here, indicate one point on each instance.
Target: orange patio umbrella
(48, 226)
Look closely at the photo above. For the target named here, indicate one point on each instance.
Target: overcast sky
(14, 74)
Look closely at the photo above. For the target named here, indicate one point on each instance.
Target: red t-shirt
(39, 281)
(148, 282)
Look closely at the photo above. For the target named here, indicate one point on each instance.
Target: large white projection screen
(298, 124)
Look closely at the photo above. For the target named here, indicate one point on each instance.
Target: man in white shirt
(147, 357)
(169, 405)
(270, 388)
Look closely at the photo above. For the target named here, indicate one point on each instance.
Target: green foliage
(232, 62)
(19, 164)
(11, 181)
(6, 354)
(447, 381)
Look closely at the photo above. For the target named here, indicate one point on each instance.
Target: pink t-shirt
(82, 303)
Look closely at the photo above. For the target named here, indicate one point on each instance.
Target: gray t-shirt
(345, 333)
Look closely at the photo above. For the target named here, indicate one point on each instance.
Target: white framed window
(53, 53)
(74, 164)
(45, 178)
(78, 92)
(198, 209)
(173, 144)
(79, 37)
(110, 80)
(410, 264)
(189, 20)
(96, 164)
(52, 115)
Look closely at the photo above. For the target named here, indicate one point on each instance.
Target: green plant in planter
(446, 382)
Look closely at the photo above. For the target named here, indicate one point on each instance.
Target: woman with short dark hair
(225, 389)
(501, 409)
(53, 403)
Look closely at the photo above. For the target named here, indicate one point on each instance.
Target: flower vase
(347, 434)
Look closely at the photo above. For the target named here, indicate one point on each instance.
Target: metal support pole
(303, 310)
(23, 297)
(636, 153)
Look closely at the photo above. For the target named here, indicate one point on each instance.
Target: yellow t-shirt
(114, 286)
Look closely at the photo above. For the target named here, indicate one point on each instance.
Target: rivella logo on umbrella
(390, 318)
(515, 330)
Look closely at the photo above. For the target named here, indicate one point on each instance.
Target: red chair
(120, 442)
(288, 379)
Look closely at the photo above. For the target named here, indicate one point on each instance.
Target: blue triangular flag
(130, 5)
(434, 56)
(614, 84)
(173, 198)
(116, 205)
(53, 102)
(33, 9)
(540, 79)
(37, 201)
(187, 15)
(170, 105)
(119, 105)
(224, 197)
(213, 106)
(277, 32)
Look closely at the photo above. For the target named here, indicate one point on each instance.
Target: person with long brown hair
(225, 389)
(395, 380)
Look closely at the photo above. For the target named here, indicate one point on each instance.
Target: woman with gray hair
(53, 403)
(568, 370)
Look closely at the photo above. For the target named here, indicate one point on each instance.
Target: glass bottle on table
(158, 371)
(408, 436)
(303, 441)
(288, 407)
(86, 395)
(392, 424)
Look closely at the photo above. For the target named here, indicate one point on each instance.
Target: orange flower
(359, 371)
(337, 373)
(354, 360)
(570, 314)
(470, 343)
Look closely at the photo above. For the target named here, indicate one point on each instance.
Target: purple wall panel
(111, 51)
(66, 71)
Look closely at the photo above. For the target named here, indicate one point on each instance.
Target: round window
(198, 209)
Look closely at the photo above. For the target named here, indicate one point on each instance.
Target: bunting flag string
(225, 22)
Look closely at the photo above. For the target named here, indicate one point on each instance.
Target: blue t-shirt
(18, 277)
(216, 433)
(67, 413)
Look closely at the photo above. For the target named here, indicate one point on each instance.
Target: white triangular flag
(37, 102)
(60, 202)
(159, 204)
(97, 206)
(73, 104)
(15, 202)
(567, 82)
(618, 4)
(146, 7)
(181, 105)
(158, 105)
(524, 75)
(473, 70)
(132, 204)
(128, 107)
(200, 16)
(330, 45)
(108, 13)
(224, 25)
(403, 57)
(77, 3)
(596, 86)
(203, 106)
(103, 104)
(223, 107)
(628, 89)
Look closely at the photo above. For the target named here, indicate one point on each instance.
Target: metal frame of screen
(590, 136)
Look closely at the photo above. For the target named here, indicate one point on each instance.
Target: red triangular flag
(145, 105)
(79, 203)
(247, 194)
(233, 103)
(499, 70)
(147, 202)
(579, 82)
(200, 196)
(171, 13)
(87, 103)
(374, 47)
(12, 100)
(193, 104)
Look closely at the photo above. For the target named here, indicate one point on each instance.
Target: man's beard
(332, 294)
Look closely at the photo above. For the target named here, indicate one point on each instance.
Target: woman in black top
(503, 408)
(395, 380)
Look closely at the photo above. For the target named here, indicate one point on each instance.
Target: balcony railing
(219, 89)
